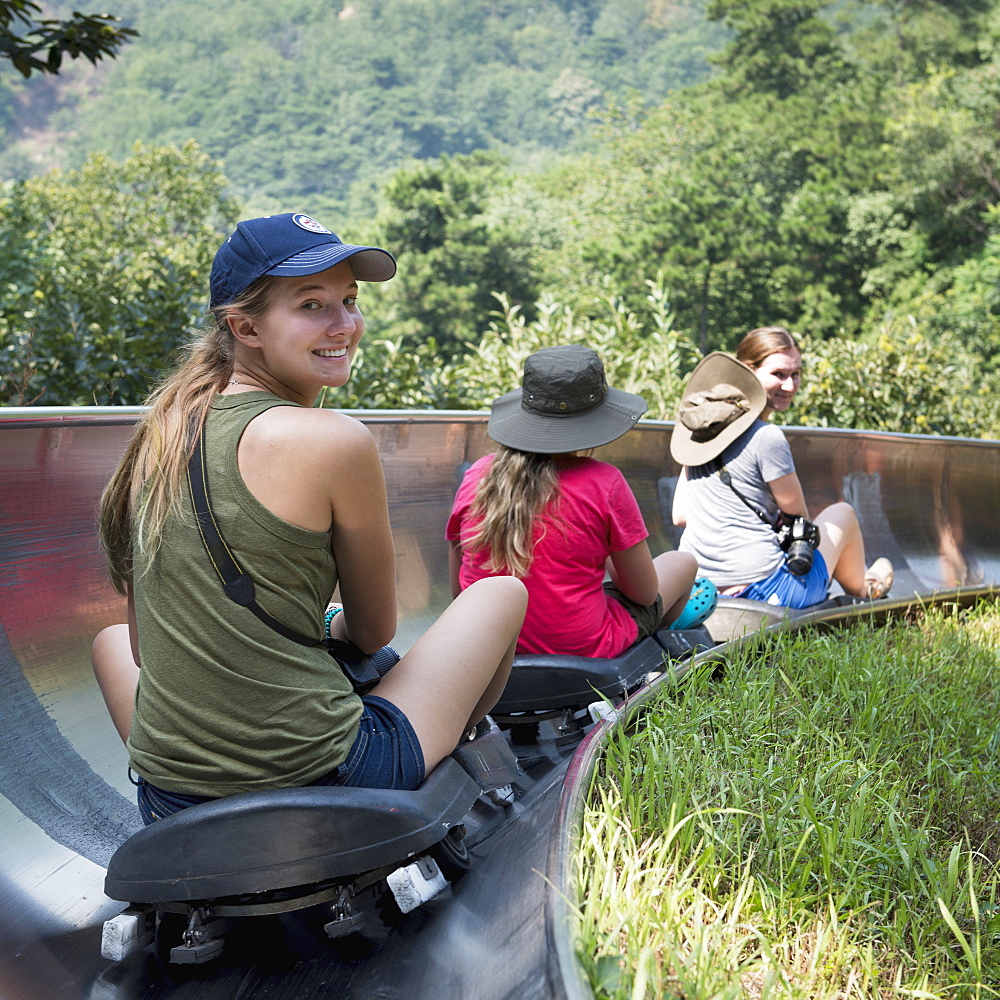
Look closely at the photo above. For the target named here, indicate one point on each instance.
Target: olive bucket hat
(722, 399)
(564, 404)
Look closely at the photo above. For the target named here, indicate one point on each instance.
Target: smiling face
(307, 337)
(779, 374)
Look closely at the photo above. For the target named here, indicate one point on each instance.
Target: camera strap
(723, 474)
(362, 671)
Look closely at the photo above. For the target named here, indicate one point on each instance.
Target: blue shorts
(386, 754)
(787, 590)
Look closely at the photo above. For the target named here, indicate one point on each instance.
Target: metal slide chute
(66, 803)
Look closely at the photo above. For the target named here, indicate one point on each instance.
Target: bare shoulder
(325, 456)
(322, 448)
(287, 418)
(315, 435)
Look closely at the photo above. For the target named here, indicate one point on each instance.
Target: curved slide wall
(65, 801)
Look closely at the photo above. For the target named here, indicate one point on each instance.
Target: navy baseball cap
(288, 245)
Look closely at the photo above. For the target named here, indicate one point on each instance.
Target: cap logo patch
(311, 225)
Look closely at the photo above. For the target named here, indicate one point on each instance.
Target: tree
(94, 303)
(252, 79)
(780, 46)
(901, 378)
(454, 250)
(743, 214)
(36, 44)
(740, 189)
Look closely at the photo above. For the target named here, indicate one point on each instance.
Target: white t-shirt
(732, 545)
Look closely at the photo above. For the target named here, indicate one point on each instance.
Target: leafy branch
(36, 44)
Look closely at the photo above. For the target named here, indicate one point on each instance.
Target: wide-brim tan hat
(722, 399)
(564, 404)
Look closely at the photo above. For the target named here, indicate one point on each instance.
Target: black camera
(798, 539)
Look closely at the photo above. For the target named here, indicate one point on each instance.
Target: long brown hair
(763, 342)
(516, 490)
(146, 486)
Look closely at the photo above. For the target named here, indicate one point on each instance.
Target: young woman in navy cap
(209, 697)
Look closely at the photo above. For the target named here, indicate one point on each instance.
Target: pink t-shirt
(568, 610)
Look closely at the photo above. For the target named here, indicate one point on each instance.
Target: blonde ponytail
(145, 489)
(517, 489)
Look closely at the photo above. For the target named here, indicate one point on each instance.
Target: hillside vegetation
(314, 102)
(658, 178)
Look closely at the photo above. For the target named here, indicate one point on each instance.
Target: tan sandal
(878, 579)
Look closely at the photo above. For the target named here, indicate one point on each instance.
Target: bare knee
(501, 596)
(684, 563)
(107, 646)
(841, 514)
(678, 560)
(839, 530)
(675, 572)
(117, 674)
(506, 585)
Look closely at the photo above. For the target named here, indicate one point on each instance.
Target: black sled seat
(261, 842)
(543, 682)
(365, 856)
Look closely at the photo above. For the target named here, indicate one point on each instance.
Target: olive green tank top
(224, 703)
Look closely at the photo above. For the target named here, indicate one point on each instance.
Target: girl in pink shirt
(558, 520)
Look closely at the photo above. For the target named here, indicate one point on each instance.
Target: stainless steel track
(65, 801)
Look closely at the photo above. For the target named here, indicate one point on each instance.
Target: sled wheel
(452, 854)
(381, 919)
(170, 928)
(524, 733)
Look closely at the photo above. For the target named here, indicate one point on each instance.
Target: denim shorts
(386, 754)
(785, 589)
(646, 616)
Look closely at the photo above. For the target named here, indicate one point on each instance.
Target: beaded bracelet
(328, 617)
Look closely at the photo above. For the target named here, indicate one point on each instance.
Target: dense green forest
(654, 177)
(306, 101)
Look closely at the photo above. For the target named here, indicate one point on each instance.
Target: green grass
(819, 822)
